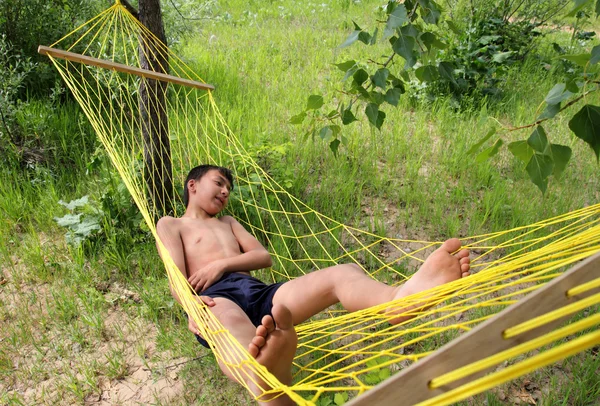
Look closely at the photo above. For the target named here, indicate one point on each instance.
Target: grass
(62, 306)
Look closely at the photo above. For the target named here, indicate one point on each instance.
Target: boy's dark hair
(198, 172)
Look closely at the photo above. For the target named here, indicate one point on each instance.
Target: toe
(268, 324)
(451, 245)
(465, 267)
(262, 331)
(462, 254)
(465, 274)
(253, 350)
(259, 341)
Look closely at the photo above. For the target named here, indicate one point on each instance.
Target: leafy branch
(542, 158)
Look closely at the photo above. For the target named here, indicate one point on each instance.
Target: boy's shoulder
(167, 222)
(227, 219)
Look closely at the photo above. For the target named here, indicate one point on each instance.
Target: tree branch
(566, 106)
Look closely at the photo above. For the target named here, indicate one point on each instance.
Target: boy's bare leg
(272, 347)
(349, 285)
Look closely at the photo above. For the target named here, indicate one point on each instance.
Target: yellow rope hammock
(338, 353)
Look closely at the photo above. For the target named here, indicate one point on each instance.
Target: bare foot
(274, 344)
(439, 268)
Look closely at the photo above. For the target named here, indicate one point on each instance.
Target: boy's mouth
(220, 199)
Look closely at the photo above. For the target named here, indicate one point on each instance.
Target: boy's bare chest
(211, 237)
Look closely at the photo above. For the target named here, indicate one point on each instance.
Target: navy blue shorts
(253, 296)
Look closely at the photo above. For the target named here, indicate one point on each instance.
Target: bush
(30, 23)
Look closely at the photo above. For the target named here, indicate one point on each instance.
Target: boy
(216, 256)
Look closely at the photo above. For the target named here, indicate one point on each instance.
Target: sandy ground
(51, 367)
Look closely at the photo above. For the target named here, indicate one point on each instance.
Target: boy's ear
(191, 185)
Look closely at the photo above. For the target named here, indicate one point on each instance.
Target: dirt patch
(57, 362)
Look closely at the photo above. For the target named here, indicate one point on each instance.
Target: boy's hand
(205, 277)
(191, 323)
(193, 326)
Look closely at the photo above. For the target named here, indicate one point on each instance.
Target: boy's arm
(254, 256)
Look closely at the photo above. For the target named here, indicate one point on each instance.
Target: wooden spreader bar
(410, 386)
(119, 67)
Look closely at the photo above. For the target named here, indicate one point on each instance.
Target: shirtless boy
(216, 256)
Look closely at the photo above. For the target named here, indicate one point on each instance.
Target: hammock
(339, 353)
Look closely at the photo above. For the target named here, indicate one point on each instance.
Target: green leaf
(395, 20)
(446, 70)
(374, 37)
(392, 96)
(558, 94)
(75, 203)
(550, 111)
(86, 227)
(352, 38)
(372, 363)
(380, 77)
(325, 401)
(315, 101)
(431, 40)
(586, 125)
(453, 27)
(579, 59)
(326, 133)
(557, 48)
(430, 11)
(334, 145)
(364, 95)
(298, 118)
(579, 5)
(68, 220)
(345, 66)
(376, 97)
(595, 58)
(410, 30)
(348, 117)
(538, 140)
(364, 37)
(489, 152)
(338, 399)
(521, 150)
(350, 72)
(561, 154)
(597, 8)
(540, 166)
(427, 73)
(486, 39)
(482, 141)
(404, 46)
(384, 373)
(375, 116)
(500, 57)
(572, 85)
(360, 76)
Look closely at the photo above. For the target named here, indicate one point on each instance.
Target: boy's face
(211, 192)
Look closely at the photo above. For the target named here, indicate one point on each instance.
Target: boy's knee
(355, 268)
(350, 269)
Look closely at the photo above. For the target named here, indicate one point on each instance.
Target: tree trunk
(158, 173)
